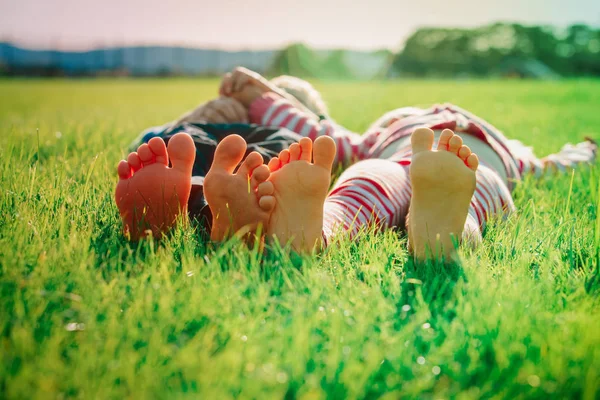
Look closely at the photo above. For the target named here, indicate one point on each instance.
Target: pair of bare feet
(286, 197)
(283, 200)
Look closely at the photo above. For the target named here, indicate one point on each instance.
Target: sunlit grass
(85, 314)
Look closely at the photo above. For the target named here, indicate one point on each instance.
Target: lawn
(84, 314)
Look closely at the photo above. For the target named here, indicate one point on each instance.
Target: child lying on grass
(450, 193)
(209, 123)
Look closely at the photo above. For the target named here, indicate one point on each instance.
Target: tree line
(499, 49)
(493, 49)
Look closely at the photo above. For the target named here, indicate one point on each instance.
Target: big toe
(324, 152)
(182, 152)
(229, 153)
(421, 140)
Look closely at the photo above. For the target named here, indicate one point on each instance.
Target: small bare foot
(240, 201)
(300, 191)
(150, 195)
(443, 183)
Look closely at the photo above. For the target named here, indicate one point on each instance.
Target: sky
(264, 24)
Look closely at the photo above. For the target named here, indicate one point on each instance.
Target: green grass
(83, 314)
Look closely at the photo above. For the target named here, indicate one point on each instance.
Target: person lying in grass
(441, 195)
(209, 123)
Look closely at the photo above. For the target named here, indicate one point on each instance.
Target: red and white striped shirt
(273, 110)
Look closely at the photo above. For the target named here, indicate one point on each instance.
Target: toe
(323, 152)
(158, 147)
(295, 152)
(274, 164)
(444, 141)
(253, 161)
(473, 161)
(124, 170)
(421, 140)
(228, 154)
(464, 152)
(260, 174)
(284, 156)
(182, 152)
(267, 203)
(265, 189)
(455, 144)
(134, 161)
(146, 154)
(306, 149)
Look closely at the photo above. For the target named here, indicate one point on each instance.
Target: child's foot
(443, 183)
(150, 195)
(300, 191)
(240, 201)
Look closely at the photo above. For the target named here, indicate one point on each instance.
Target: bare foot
(150, 195)
(240, 201)
(300, 191)
(443, 183)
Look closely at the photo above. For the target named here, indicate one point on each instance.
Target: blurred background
(366, 40)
